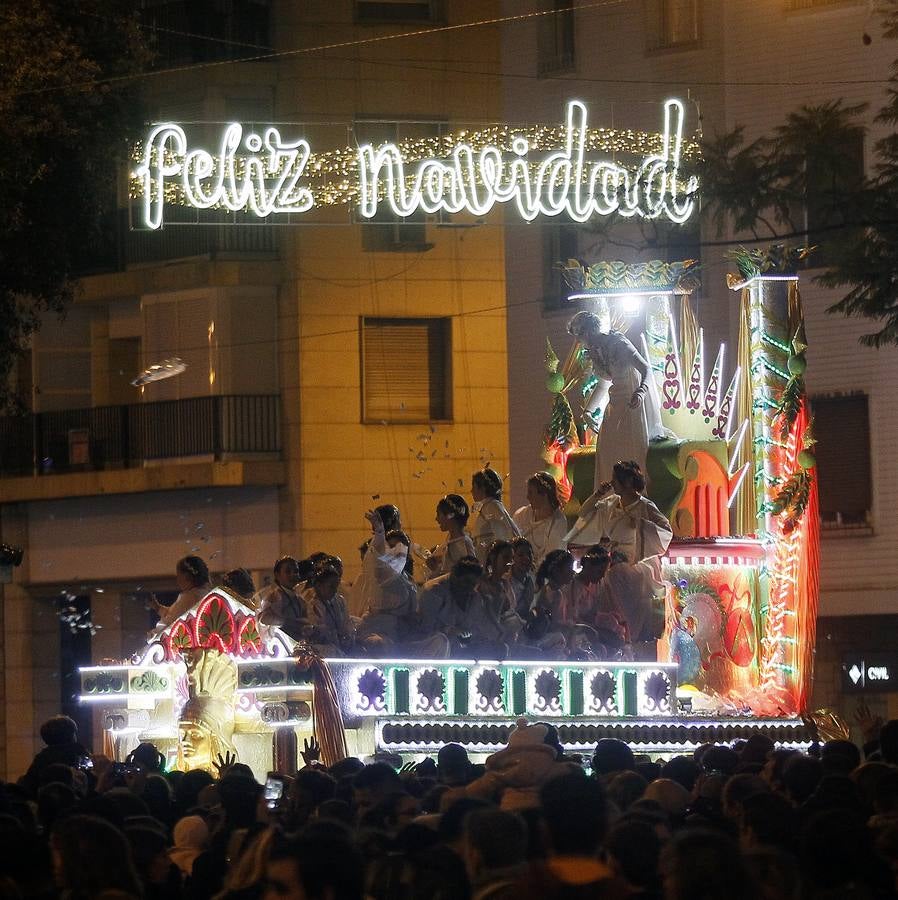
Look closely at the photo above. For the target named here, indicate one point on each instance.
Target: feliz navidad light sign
(262, 174)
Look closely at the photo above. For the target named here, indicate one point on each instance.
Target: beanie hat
(525, 735)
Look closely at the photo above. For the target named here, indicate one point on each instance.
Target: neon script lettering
(471, 179)
(268, 182)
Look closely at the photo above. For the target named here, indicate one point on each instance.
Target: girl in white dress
(542, 522)
(629, 525)
(632, 414)
(452, 517)
(492, 521)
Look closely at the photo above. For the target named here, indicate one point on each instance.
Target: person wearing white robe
(492, 521)
(631, 417)
(621, 518)
(542, 522)
(192, 578)
(391, 596)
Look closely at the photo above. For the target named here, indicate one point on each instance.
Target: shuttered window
(406, 370)
(673, 23)
(845, 481)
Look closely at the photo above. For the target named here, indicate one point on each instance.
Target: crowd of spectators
(532, 821)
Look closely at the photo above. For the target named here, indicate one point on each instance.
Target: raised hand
(223, 763)
(869, 724)
(311, 751)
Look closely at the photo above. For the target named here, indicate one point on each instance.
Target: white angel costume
(544, 534)
(388, 594)
(624, 433)
(492, 522)
(641, 533)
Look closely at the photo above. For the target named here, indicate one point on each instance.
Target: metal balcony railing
(118, 437)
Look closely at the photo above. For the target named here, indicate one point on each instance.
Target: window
(556, 38)
(845, 482)
(406, 370)
(832, 176)
(387, 232)
(560, 243)
(673, 23)
(193, 31)
(397, 10)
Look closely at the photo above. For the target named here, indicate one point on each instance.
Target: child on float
(192, 578)
(554, 599)
(451, 605)
(521, 576)
(595, 607)
(391, 595)
(452, 517)
(492, 521)
(362, 588)
(497, 592)
(542, 522)
(330, 628)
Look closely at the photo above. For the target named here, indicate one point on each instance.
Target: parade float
(735, 476)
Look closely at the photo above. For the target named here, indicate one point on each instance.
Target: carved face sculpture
(196, 745)
(206, 723)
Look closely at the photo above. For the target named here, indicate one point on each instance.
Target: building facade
(736, 64)
(330, 365)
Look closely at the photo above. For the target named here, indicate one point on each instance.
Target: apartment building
(331, 364)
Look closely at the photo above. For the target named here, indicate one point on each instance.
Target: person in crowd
(514, 776)
(521, 576)
(452, 517)
(192, 578)
(575, 816)
(450, 605)
(492, 521)
(330, 628)
(60, 734)
(279, 604)
(495, 853)
(632, 850)
(92, 859)
(542, 521)
(704, 864)
(239, 582)
(318, 865)
(453, 765)
(189, 839)
(390, 592)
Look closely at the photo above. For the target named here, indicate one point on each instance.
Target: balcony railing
(118, 437)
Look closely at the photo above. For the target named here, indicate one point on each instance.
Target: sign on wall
(262, 173)
(870, 673)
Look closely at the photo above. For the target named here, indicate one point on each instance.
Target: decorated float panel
(732, 469)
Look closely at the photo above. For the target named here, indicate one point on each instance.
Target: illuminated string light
(466, 170)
